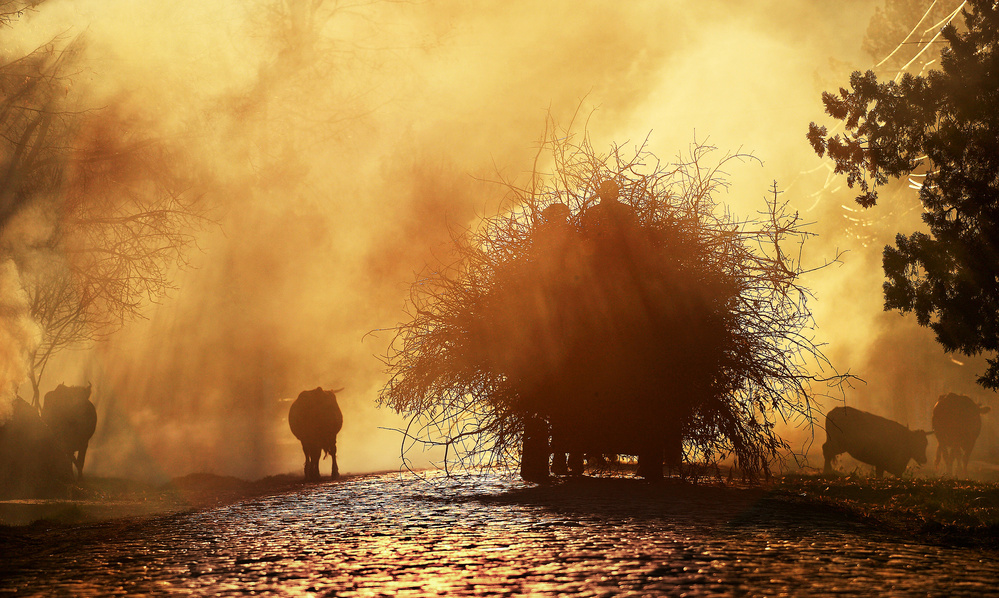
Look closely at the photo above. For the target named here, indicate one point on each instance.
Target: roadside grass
(941, 509)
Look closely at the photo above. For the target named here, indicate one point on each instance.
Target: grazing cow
(871, 439)
(957, 421)
(315, 419)
(71, 416)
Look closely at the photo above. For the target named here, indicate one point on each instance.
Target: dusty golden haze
(336, 147)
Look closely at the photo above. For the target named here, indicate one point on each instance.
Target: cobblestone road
(395, 534)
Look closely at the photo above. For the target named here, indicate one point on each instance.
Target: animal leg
(829, 452)
(312, 455)
(575, 463)
(81, 456)
(335, 472)
(949, 455)
(965, 457)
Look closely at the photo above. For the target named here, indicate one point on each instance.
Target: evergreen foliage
(943, 127)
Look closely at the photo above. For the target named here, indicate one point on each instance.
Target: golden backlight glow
(334, 146)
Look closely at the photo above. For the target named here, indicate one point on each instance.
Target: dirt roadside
(101, 499)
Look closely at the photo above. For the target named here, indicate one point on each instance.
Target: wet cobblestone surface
(398, 535)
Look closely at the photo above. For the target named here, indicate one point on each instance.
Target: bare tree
(110, 208)
(126, 223)
(11, 10)
(34, 126)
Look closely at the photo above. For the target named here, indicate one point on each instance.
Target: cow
(33, 463)
(68, 412)
(871, 439)
(957, 421)
(315, 419)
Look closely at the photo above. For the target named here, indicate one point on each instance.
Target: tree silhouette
(35, 123)
(125, 222)
(95, 212)
(944, 128)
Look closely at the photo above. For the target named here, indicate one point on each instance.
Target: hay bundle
(613, 308)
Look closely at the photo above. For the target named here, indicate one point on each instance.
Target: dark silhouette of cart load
(609, 334)
(626, 315)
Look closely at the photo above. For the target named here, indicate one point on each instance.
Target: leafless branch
(490, 342)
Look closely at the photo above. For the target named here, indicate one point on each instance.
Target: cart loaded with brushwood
(609, 311)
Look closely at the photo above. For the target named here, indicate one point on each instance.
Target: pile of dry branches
(655, 324)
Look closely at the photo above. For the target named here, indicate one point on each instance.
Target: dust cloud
(17, 334)
(336, 147)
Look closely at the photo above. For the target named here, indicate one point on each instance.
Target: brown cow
(71, 416)
(871, 439)
(957, 422)
(315, 419)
